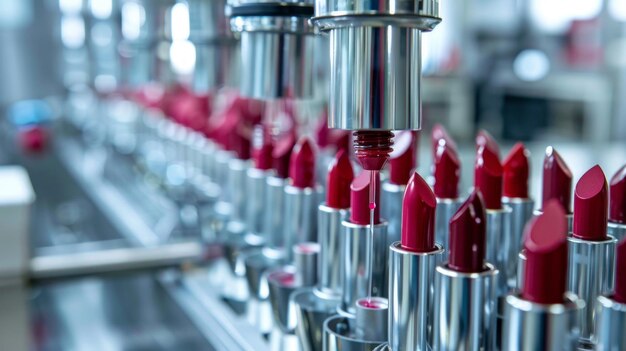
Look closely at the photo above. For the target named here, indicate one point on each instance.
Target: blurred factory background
(116, 253)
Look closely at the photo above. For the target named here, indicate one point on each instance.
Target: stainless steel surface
(355, 275)
(329, 234)
(521, 269)
(300, 217)
(305, 257)
(591, 273)
(521, 213)
(256, 186)
(273, 228)
(446, 208)
(257, 263)
(338, 336)
(312, 308)
(465, 310)
(399, 8)
(411, 297)
(282, 283)
(498, 229)
(236, 183)
(371, 318)
(391, 209)
(617, 230)
(529, 326)
(610, 325)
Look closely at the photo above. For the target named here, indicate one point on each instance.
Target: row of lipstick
(461, 304)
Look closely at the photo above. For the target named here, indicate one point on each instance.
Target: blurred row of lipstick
(484, 272)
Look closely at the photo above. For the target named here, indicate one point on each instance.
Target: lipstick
(256, 177)
(316, 304)
(412, 270)
(401, 165)
(617, 205)
(301, 197)
(447, 172)
(543, 314)
(484, 139)
(465, 286)
(439, 135)
(515, 195)
(557, 183)
(611, 309)
(354, 248)
(592, 250)
(488, 176)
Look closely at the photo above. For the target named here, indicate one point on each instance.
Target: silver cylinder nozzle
(277, 47)
(376, 61)
(339, 335)
(411, 297)
(465, 309)
(610, 325)
(329, 234)
(305, 257)
(355, 272)
(521, 213)
(371, 318)
(256, 185)
(591, 273)
(528, 325)
(274, 213)
(300, 221)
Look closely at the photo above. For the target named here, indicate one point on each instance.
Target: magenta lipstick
(447, 171)
(542, 316)
(465, 286)
(591, 249)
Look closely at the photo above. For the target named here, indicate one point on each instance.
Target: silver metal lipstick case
(617, 230)
(355, 269)
(498, 228)
(465, 309)
(315, 305)
(551, 327)
(300, 221)
(521, 213)
(610, 328)
(446, 208)
(591, 270)
(366, 331)
(391, 209)
(411, 297)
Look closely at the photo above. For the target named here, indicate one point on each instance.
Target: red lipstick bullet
(465, 273)
(515, 172)
(545, 276)
(418, 216)
(617, 204)
(302, 164)
(467, 236)
(543, 296)
(592, 251)
(484, 139)
(438, 134)
(262, 147)
(590, 206)
(609, 332)
(402, 158)
(340, 176)
(447, 172)
(557, 180)
(360, 199)
(281, 155)
(488, 177)
(411, 295)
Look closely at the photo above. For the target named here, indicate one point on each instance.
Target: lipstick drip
(372, 148)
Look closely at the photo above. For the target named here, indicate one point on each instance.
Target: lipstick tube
(391, 209)
(329, 235)
(465, 309)
(591, 274)
(355, 277)
(616, 230)
(610, 324)
(529, 325)
(446, 208)
(521, 213)
(256, 185)
(274, 213)
(411, 297)
(499, 243)
(367, 330)
(300, 221)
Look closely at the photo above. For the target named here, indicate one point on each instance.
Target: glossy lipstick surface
(468, 237)
(360, 199)
(302, 164)
(620, 273)
(402, 158)
(591, 206)
(447, 172)
(418, 216)
(617, 195)
(340, 176)
(483, 138)
(557, 180)
(545, 275)
(515, 173)
(488, 177)
(262, 147)
(438, 134)
(281, 155)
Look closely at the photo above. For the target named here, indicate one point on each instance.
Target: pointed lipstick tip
(484, 139)
(548, 230)
(516, 172)
(339, 178)
(281, 155)
(360, 199)
(488, 177)
(439, 134)
(591, 206)
(557, 179)
(617, 197)
(402, 158)
(467, 236)
(302, 164)
(418, 216)
(446, 173)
